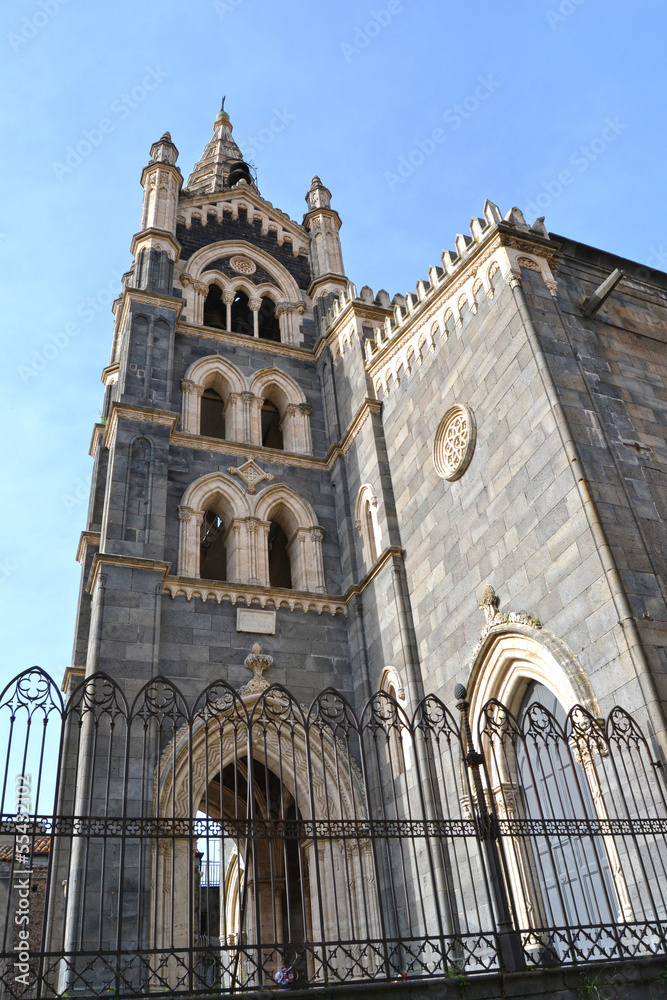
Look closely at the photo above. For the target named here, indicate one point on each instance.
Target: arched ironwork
(222, 840)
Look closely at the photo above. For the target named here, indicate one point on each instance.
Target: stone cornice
(242, 340)
(368, 407)
(324, 279)
(125, 562)
(109, 372)
(87, 538)
(98, 434)
(131, 295)
(158, 234)
(179, 439)
(251, 596)
(330, 212)
(392, 552)
(225, 447)
(146, 415)
(72, 676)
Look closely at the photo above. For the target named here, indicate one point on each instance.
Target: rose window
(454, 442)
(243, 265)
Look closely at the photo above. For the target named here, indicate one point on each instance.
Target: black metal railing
(238, 842)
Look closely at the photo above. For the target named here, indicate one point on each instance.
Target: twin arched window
(267, 411)
(271, 539)
(253, 317)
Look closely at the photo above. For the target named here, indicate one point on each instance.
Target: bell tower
(215, 510)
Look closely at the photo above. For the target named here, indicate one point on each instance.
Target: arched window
(398, 736)
(242, 321)
(215, 309)
(268, 325)
(272, 435)
(213, 552)
(212, 420)
(368, 526)
(280, 567)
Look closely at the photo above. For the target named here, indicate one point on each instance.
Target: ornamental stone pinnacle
(258, 662)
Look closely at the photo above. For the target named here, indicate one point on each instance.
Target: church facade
(387, 509)
(339, 474)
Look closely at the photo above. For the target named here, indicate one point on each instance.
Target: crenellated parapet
(414, 323)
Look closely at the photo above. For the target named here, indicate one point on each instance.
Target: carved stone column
(189, 407)
(261, 551)
(253, 434)
(189, 541)
(255, 305)
(235, 421)
(228, 298)
(199, 298)
(297, 436)
(316, 536)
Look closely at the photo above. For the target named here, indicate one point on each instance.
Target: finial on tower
(222, 117)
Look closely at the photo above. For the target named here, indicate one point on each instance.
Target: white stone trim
(288, 396)
(247, 521)
(368, 502)
(207, 590)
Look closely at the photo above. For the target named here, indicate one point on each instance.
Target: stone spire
(211, 171)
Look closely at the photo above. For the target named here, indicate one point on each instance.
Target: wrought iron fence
(239, 842)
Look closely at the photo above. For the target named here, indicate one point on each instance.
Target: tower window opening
(212, 422)
(242, 321)
(269, 327)
(214, 309)
(370, 531)
(280, 569)
(213, 564)
(272, 435)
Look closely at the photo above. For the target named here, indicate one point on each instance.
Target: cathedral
(338, 474)
(373, 592)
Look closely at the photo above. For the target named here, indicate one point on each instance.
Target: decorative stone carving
(258, 662)
(251, 474)
(242, 264)
(454, 442)
(494, 618)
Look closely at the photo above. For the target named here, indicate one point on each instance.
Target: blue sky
(411, 111)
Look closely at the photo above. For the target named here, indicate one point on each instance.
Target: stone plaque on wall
(254, 620)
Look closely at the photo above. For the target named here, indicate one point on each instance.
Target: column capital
(187, 385)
